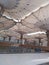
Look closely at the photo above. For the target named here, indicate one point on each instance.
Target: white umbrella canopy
(38, 19)
(42, 15)
(5, 23)
(19, 27)
(22, 12)
(9, 33)
(3, 34)
(24, 30)
(34, 36)
(25, 7)
(29, 21)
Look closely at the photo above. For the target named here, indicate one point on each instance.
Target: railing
(43, 48)
(5, 44)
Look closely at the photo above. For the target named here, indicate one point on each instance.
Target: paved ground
(24, 59)
(45, 63)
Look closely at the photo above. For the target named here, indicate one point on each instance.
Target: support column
(47, 33)
(39, 38)
(21, 38)
(4, 38)
(39, 41)
(9, 38)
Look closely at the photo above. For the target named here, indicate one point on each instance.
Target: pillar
(21, 38)
(39, 41)
(9, 38)
(4, 38)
